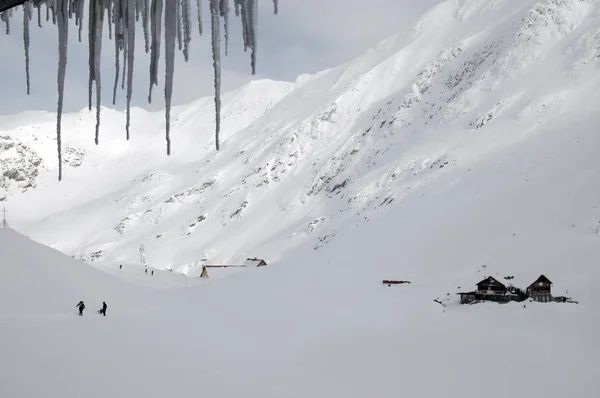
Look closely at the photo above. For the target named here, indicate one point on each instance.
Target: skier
(121, 266)
(81, 307)
(103, 310)
(146, 271)
(152, 273)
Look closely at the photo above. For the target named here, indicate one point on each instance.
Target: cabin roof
(253, 262)
(520, 278)
(541, 278)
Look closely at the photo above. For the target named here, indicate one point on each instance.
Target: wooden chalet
(491, 289)
(541, 290)
(503, 289)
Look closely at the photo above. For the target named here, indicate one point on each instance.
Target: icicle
(63, 36)
(276, 7)
(5, 16)
(91, 51)
(109, 17)
(95, 27)
(179, 25)
(199, 5)
(145, 26)
(187, 28)
(216, 52)
(138, 10)
(249, 12)
(155, 19)
(79, 17)
(53, 9)
(130, 49)
(124, 43)
(224, 11)
(39, 14)
(170, 36)
(26, 18)
(118, 33)
(253, 24)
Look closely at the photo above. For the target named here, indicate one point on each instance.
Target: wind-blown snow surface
(470, 140)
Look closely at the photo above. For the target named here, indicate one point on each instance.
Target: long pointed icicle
(145, 18)
(5, 16)
(26, 18)
(79, 16)
(170, 36)
(109, 17)
(224, 11)
(199, 5)
(39, 14)
(155, 16)
(179, 25)
(216, 52)
(254, 30)
(63, 36)
(187, 28)
(96, 24)
(91, 52)
(130, 56)
(118, 37)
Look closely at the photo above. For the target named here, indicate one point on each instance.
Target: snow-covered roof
(519, 278)
(253, 262)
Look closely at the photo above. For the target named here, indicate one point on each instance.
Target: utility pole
(143, 255)
(4, 222)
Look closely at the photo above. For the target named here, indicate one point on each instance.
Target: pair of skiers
(81, 307)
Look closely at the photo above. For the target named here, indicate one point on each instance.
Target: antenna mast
(143, 255)
(4, 222)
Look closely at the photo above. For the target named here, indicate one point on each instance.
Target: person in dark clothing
(121, 266)
(146, 271)
(152, 273)
(104, 306)
(81, 307)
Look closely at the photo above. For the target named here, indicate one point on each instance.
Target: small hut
(255, 262)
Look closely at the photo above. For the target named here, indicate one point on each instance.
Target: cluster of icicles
(122, 16)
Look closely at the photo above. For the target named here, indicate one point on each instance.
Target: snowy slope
(469, 79)
(469, 140)
(320, 323)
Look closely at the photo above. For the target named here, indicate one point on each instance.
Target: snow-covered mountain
(304, 163)
(464, 147)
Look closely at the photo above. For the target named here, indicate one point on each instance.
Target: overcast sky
(306, 36)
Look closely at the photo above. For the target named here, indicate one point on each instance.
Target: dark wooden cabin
(541, 289)
(489, 289)
(491, 285)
